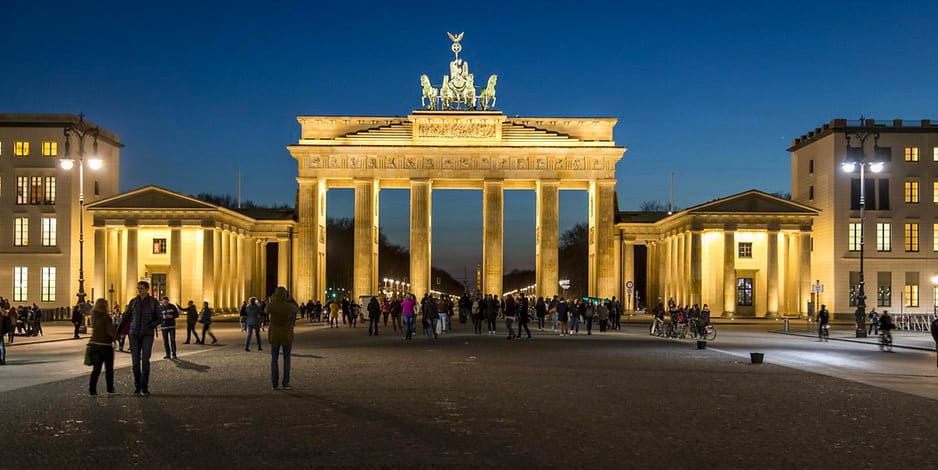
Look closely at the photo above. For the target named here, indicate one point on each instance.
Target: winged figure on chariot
(458, 90)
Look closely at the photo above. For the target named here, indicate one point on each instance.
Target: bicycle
(885, 341)
(825, 332)
(657, 327)
(709, 332)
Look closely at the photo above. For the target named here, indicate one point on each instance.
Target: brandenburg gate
(456, 142)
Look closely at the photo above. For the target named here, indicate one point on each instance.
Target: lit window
(884, 289)
(884, 237)
(20, 283)
(911, 237)
(20, 149)
(22, 189)
(47, 286)
(935, 237)
(159, 246)
(911, 191)
(934, 191)
(50, 149)
(911, 154)
(48, 194)
(48, 231)
(911, 295)
(35, 190)
(745, 250)
(935, 154)
(744, 293)
(21, 231)
(854, 233)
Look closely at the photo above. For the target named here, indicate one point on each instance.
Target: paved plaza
(610, 400)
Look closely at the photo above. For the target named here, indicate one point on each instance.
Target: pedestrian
(252, 316)
(575, 317)
(589, 312)
(603, 313)
(540, 309)
(874, 323)
(169, 314)
(385, 310)
(78, 317)
(333, 314)
(524, 317)
(431, 317)
(823, 318)
(37, 320)
(408, 311)
(374, 315)
(5, 329)
(206, 321)
(346, 310)
(123, 331)
(354, 314)
(282, 314)
(552, 311)
(101, 347)
(192, 317)
(241, 314)
(934, 332)
(475, 311)
(11, 317)
(143, 315)
(443, 311)
(396, 311)
(491, 313)
(615, 312)
(510, 312)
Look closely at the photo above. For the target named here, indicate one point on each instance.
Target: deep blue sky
(713, 91)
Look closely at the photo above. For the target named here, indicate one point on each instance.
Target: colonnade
(311, 240)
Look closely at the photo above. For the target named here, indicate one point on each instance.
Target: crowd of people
(677, 320)
(24, 320)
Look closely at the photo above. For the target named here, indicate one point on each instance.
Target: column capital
(729, 227)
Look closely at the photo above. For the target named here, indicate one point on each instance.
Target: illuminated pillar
(365, 268)
(174, 289)
(729, 272)
(208, 263)
(771, 275)
(602, 244)
(804, 273)
(133, 275)
(628, 273)
(493, 207)
(420, 235)
(100, 262)
(547, 275)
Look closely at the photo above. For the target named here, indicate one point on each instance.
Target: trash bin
(756, 357)
(701, 345)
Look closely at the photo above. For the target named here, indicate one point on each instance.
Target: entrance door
(158, 285)
(744, 296)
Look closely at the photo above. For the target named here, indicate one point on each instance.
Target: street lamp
(849, 165)
(80, 130)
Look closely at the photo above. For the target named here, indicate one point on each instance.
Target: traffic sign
(629, 285)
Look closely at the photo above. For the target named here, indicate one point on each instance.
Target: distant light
(934, 280)
(848, 166)
(95, 163)
(66, 163)
(876, 167)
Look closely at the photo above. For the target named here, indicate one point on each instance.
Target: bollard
(701, 345)
(787, 320)
(756, 358)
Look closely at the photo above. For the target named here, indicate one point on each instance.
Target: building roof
(639, 217)
(752, 201)
(267, 213)
(54, 121)
(864, 125)
(154, 197)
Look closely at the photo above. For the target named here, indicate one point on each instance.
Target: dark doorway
(273, 253)
(641, 284)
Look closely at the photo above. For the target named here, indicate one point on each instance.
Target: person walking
(524, 317)
(101, 347)
(10, 313)
(346, 311)
(5, 329)
(823, 318)
(37, 320)
(252, 316)
(603, 313)
(563, 316)
(874, 322)
(475, 311)
(192, 318)
(491, 312)
(169, 313)
(540, 309)
(575, 311)
(206, 321)
(615, 313)
(143, 315)
(396, 309)
(282, 314)
(589, 312)
(407, 311)
(431, 317)
(374, 315)
(511, 309)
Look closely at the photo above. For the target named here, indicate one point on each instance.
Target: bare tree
(653, 206)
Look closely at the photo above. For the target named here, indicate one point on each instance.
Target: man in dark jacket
(934, 332)
(252, 314)
(524, 316)
(823, 318)
(192, 317)
(374, 313)
(169, 313)
(78, 318)
(491, 312)
(143, 313)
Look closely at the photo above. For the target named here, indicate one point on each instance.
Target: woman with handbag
(100, 349)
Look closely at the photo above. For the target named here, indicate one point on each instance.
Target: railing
(913, 321)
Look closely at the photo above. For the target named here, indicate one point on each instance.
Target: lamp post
(849, 165)
(80, 130)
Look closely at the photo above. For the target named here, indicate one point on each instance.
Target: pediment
(151, 197)
(752, 201)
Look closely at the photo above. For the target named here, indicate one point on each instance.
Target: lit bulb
(66, 163)
(876, 167)
(95, 163)
(848, 166)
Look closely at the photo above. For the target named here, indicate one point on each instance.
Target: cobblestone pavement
(600, 401)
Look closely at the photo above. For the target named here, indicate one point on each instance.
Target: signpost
(628, 290)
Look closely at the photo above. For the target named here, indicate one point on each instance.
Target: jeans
(444, 322)
(508, 323)
(410, 325)
(207, 331)
(477, 324)
(140, 348)
(553, 321)
(396, 323)
(873, 328)
(589, 325)
(169, 342)
(102, 355)
(575, 323)
(432, 330)
(190, 332)
(3, 351)
(373, 325)
(247, 341)
(274, 366)
(491, 323)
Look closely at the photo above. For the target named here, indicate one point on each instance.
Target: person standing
(192, 317)
(563, 316)
(510, 311)
(396, 310)
(575, 311)
(823, 318)
(934, 332)
(281, 310)
(11, 317)
(588, 313)
(333, 314)
(78, 317)
(252, 316)
(385, 310)
(169, 314)
(206, 321)
(603, 313)
(874, 322)
(431, 317)
(37, 320)
(615, 312)
(143, 314)
(540, 309)
(101, 347)
(524, 317)
(346, 311)
(5, 329)
(407, 311)
(491, 312)
(475, 311)
(374, 315)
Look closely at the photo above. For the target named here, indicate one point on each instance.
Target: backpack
(475, 307)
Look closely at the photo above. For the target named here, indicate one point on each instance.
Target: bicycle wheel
(710, 334)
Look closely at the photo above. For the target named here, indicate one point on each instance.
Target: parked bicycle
(885, 341)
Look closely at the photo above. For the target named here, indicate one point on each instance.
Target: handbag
(88, 355)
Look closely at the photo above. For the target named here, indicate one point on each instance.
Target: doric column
(651, 274)
(628, 273)
(547, 272)
(283, 252)
(601, 252)
(174, 289)
(729, 271)
(804, 272)
(100, 262)
(263, 290)
(771, 275)
(310, 265)
(493, 208)
(224, 271)
(247, 266)
(681, 284)
(672, 268)
(133, 275)
(696, 284)
(686, 269)
(421, 200)
(115, 267)
(365, 269)
(219, 257)
(208, 263)
(617, 263)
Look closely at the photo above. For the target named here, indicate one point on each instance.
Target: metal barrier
(913, 321)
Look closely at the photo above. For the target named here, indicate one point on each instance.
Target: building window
(811, 192)
(744, 292)
(20, 283)
(911, 154)
(48, 231)
(934, 191)
(159, 246)
(934, 232)
(883, 194)
(50, 149)
(47, 286)
(884, 289)
(884, 237)
(911, 237)
(934, 154)
(911, 192)
(911, 295)
(811, 166)
(22, 189)
(97, 188)
(21, 231)
(854, 287)
(854, 233)
(48, 193)
(20, 149)
(35, 190)
(745, 250)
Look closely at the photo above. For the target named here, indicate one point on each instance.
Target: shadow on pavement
(184, 364)
(13, 362)
(311, 356)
